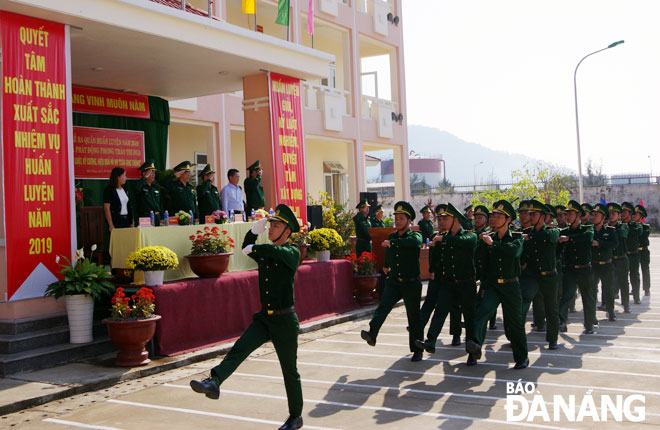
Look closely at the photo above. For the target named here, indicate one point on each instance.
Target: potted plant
(183, 218)
(209, 256)
(153, 261)
(365, 278)
(322, 240)
(131, 326)
(220, 217)
(301, 240)
(82, 282)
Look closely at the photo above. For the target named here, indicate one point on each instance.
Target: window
(336, 182)
(200, 163)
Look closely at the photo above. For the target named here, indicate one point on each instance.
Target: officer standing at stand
(208, 197)
(181, 193)
(426, 224)
(147, 193)
(362, 224)
(254, 192)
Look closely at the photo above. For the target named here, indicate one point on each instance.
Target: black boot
(589, 329)
(473, 348)
(427, 346)
(208, 386)
(292, 423)
(456, 340)
(417, 356)
(626, 310)
(562, 327)
(611, 316)
(492, 326)
(366, 335)
(553, 346)
(522, 365)
(471, 361)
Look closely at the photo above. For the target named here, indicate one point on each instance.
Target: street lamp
(474, 171)
(577, 123)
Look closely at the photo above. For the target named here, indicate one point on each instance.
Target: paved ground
(349, 385)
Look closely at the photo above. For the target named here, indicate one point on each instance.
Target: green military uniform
(644, 254)
(468, 224)
(500, 268)
(208, 197)
(147, 196)
(620, 257)
(277, 321)
(182, 196)
(603, 269)
(541, 264)
(577, 271)
(426, 225)
(452, 263)
(483, 210)
(375, 222)
(362, 224)
(254, 192)
(403, 282)
(635, 231)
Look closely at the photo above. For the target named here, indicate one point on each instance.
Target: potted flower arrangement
(132, 325)
(153, 260)
(82, 283)
(260, 214)
(365, 278)
(301, 240)
(220, 217)
(323, 240)
(209, 256)
(183, 218)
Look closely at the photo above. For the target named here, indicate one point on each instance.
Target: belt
(549, 273)
(581, 266)
(284, 311)
(603, 262)
(619, 257)
(641, 248)
(238, 212)
(462, 281)
(507, 281)
(123, 216)
(404, 280)
(631, 252)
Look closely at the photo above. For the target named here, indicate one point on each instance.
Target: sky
(500, 73)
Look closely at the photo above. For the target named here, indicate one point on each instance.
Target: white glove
(259, 226)
(247, 249)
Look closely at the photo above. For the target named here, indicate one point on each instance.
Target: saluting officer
(635, 231)
(498, 254)
(182, 193)
(426, 223)
(208, 197)
(644, 254)
(452, 262)
(377, 219)
(147, 195)
(403, 281)
(577, 240)
(604, 242)
(277, 321)
(620, 257)
(254, 192)
(362, 224)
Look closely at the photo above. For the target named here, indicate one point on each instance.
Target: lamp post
(577, 123)
(474, 171)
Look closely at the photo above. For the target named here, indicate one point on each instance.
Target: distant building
(423, 167)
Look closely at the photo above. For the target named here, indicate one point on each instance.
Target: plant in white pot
(83, 282)
(153, 261)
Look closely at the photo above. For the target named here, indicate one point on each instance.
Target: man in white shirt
(232, 194)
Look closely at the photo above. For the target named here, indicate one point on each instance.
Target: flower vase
(153, 278)
(131, 337)
(80, 312)
(323, 256)
(209, 265)
(364, 287)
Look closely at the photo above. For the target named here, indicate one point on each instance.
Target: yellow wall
(238, 153)
(332, 41)
(266, 15)
(319, 150)
(186, 139)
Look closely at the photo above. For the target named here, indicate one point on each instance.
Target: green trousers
(362, 246)
(510, 298)
(282, 330)
(411, 293)
(572, 280)
(429, 305)
(451, 294)
(604, 273)
(546, 286)
(633, 268)
(538, 310)
(621, 281)
(645, 263)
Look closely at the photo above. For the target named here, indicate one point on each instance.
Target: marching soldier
(277, 321)
(403, 281)
(469, 214)
(635, 231)
(254, 192)
(452, 262)
(577, 240)
(620, 257)
(182, 194)
(208, 197)
(362, 224)
(377, 219)
(426, 224)
(586, 218)
(147, 194)
(499, 255)
(481, 227)
(560, 215)
(644, 255)
(604, 242)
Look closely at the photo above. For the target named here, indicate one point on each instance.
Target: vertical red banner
(37, 206)
(288, 142)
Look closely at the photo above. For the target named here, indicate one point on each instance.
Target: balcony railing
(378, 9)
(381, 111)
(332, 102)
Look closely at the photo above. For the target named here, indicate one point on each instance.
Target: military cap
(614, 207)
(184, 165)
(627, 206)
(587, 208)
(450, 210)
(254, 166)
(641, 210)
(550, 210)
(600, 208)
(362, 204)
(404, 208)
(284, 214)
(481, 210)
(425, 209)
(378, 208)
(147, 165)
(206, 171)
(504, 207)
(467, 209)
(560, 209)
(523, 205)
(576, 207)
(536, 206)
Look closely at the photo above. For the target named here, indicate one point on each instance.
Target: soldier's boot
(366, 335)
(427, 346)
(292, 423)
(208, 387)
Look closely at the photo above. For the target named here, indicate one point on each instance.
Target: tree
(595, 177)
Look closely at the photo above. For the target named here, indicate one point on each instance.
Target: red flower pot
(364, 287)
(209, 266)
(131, 337)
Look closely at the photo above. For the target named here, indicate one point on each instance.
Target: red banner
(288, 143)
(97, 150)
(106, 102)
(37, 193)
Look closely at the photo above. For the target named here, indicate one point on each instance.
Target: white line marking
(74, 424)
(600, 327)
(208, 414)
